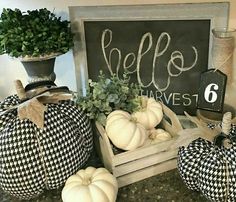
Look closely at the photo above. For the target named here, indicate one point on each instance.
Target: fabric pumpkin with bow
(210, 167)
(33, 159)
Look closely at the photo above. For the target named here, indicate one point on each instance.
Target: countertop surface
(165, 187)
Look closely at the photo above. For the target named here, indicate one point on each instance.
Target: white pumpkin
(157, 135)
(90, 185)
(150, 114)
(124, 131)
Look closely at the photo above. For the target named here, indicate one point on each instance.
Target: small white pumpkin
(124, 131)
(151, 112)
(90, 185)
(157, 135)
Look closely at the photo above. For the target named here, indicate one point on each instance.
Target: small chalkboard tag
(211, 92)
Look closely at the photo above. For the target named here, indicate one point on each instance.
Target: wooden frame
(216, 12)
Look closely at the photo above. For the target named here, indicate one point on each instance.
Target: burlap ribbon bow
(33, 103)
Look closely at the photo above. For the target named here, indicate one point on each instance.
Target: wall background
(11, 69)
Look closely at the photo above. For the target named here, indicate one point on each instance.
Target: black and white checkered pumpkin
(34, 159)
(210, 168)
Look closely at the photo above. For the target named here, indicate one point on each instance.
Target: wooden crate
(143, 162)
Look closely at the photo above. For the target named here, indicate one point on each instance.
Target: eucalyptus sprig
(108, 94)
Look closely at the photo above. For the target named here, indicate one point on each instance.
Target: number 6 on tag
(212, 90)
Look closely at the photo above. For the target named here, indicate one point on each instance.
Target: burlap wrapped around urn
(35, 157)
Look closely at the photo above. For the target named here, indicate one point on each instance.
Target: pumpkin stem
(20, 90)
(144, 102)
(226, 123)
(86, 181)
(152, 134)
(133, 119)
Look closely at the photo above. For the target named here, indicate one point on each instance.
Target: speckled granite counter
(166, 187)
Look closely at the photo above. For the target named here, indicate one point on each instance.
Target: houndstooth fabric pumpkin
(32, 159)
(209, 168)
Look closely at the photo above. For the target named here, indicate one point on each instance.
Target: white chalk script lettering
(175, 65)
(175, 99)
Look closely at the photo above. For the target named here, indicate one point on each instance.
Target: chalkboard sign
(165, 57)
(164, 54)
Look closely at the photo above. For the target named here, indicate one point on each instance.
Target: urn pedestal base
(40, 70)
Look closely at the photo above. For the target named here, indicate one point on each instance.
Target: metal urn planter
(40, 68)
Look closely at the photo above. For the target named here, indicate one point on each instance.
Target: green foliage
(108, 94)
(33, 33)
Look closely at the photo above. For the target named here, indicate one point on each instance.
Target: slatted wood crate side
(128, 156)
(142, 152)
(103, 147)
(146, 173)
(142, 163)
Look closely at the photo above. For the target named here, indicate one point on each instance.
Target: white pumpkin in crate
(157, 135)
(124, 131)
(90, 185)
(151, 112)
